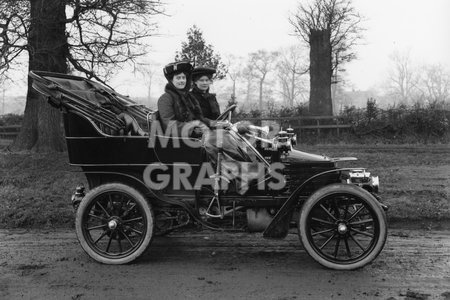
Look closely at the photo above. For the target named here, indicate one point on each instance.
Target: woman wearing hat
(177, 111)
(202, 78)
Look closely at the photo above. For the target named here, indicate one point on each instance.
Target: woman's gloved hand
(197, 128)
(197, 132)
(243, 128)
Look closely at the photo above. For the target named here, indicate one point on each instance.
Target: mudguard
(279, 227)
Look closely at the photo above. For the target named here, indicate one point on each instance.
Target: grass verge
(35, 190)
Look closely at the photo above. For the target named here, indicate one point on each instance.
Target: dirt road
(415, 264)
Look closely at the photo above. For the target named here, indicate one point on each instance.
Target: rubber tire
(335, 189)
(139, 198)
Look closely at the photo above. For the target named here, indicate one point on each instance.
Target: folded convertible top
(92, 99)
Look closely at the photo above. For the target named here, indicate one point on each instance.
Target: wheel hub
(113, 224)
(342, 228)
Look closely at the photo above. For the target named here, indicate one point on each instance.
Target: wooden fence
(9, 132)
(301, 125)
(305, 124)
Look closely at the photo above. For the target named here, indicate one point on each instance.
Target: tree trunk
(291, 100)
(249, 87)
(234, 89)
(261, 85)
(260, 95)
(320, 102)
(149, 92)
(47, 42)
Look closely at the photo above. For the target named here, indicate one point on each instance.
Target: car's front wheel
(342, 227)
(114, 223)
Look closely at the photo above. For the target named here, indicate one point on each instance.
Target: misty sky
(239, 27)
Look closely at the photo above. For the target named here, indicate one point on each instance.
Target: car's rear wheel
(114, 223)
(342, 227)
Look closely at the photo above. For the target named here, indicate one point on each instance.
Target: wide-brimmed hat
(202, 71)
(177, 67)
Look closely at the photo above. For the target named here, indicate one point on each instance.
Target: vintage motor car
(143, 182)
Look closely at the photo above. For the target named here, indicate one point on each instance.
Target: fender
(279, 227)
(136, 182)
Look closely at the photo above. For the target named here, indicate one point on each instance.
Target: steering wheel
(226, 115)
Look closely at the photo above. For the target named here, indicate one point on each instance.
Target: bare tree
(2, 84)
(435, 84)
(331, 28)
(290, 67)
(46, 44)
(403, 79)
(248, 73)
(147, 71)
(89, 36)
(103, 35)
(13, 31)
(263, 62)
(235, 71)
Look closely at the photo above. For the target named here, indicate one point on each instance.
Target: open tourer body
(143, 182)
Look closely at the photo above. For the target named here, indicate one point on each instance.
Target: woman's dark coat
(176, 108)
(208, 103)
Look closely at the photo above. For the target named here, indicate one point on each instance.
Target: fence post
(337, 126)
(318, 128)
